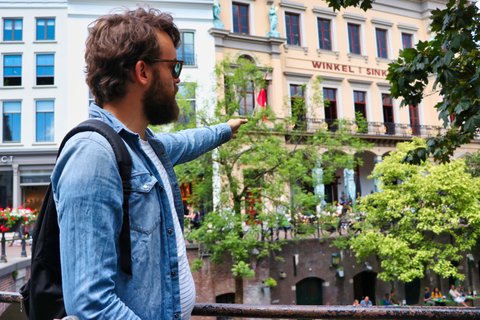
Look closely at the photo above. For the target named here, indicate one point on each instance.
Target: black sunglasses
(177, 66)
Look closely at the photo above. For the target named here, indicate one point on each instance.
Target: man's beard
(158, 106)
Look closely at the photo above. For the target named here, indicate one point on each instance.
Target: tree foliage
(271, 159)
(426, 216)
(452, 59)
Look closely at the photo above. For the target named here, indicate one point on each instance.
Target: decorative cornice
(326, 11)
(293, 5)
(407, 26)
(356, 81)
(297, 75)
(352, 16)
(227, 39)
(382, 22)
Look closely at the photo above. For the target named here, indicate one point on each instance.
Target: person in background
(456, 296)
(436, 294)
(356, 303)
(387, 301)
(393, 297)
(366, 302)
(428, 297)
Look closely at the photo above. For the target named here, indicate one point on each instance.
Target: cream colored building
(350, 50)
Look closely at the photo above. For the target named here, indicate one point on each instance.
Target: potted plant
(269, 283)
(340, 272)
(11, 218)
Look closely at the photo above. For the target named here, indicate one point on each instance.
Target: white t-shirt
(187, 286)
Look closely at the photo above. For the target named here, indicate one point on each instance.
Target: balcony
(382, 129)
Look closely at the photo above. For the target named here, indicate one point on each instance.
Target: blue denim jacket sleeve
(89, 216)
(187, 145)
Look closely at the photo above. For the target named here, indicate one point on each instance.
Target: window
(297, 101)
(324, 34)
(292, 22)
(12, 70)
(12, 29)
(12, 113)
(330, 108)
(186, 92)
(414, 120)
(45, 126)
(382, 51)
(407, 40)
(360, 103)
(45, 69)
(247, 102)
(354, 38)
(388, 119)
(45, 29)
(186, 50)
(240, 18)
(253, 181)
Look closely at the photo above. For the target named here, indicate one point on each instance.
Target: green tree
(270, 158)
(421, 207)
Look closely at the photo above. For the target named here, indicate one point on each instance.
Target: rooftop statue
(217, 22)
(273, 22)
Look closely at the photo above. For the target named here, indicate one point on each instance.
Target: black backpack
(42, 294)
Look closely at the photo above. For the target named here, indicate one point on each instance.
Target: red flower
(26, 219)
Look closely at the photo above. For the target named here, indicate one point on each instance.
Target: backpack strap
(124, 161)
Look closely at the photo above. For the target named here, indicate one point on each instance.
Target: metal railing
(372, 128)
(314, 312)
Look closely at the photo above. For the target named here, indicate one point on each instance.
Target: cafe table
(446, 301)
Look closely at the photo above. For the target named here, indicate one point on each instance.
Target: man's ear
(141, 73)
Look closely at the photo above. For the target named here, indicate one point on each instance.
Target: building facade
(43, 92)
(349, 50)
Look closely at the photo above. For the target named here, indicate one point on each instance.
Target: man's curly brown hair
(116, 42)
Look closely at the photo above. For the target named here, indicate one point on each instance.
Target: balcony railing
(384, 129)
(314, 312)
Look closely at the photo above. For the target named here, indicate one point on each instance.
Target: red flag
(262, 99)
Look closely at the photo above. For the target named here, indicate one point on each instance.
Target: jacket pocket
(144, 205)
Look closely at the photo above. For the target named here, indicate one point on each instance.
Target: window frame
(299, 16)
(382, 44)
(330, 121)
(243, 100)
(407, 29)
(303, 87)
(403, 34)
(182, 56)
(44, 66)
(356, 94)
(321, 33)
(351, 36)
(385, 26)
(389, 130)
(324, 14)
(13, 66)
(241, 4)
(3, 121)
(415, 123)
(13, 19)
(45, 19)
(36, 121)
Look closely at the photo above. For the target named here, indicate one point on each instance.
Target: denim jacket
(88, 195)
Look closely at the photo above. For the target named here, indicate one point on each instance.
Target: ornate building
(350, 51)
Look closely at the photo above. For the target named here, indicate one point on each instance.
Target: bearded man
(133, 73)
